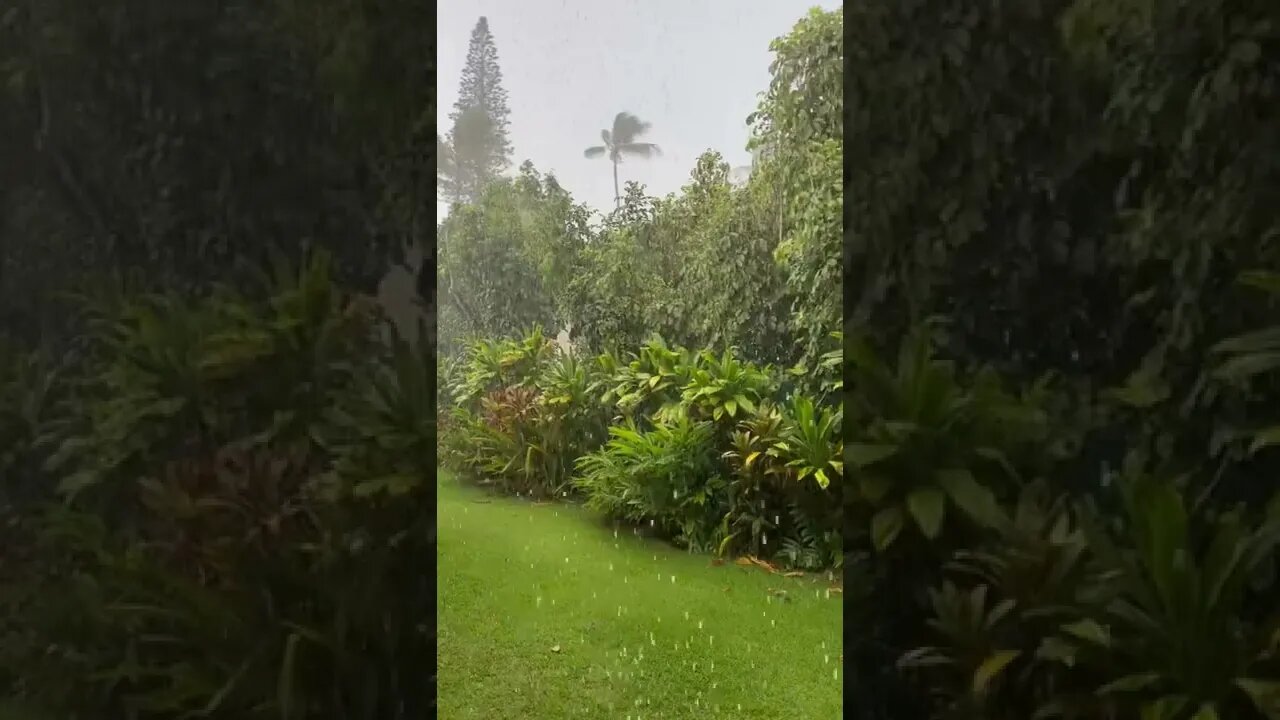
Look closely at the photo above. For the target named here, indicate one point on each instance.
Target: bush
(244, 505)
(680, 454)
(668, 476)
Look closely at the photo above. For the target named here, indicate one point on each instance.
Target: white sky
(692, 68)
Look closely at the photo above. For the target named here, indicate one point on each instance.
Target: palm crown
(621, 141)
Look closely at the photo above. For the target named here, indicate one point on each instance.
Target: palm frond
(627, 127)
(644, 150)
(594, 151)
(606, 137)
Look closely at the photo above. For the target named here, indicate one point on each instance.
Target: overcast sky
(693, 68)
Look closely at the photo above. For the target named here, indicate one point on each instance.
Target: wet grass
(545, 612)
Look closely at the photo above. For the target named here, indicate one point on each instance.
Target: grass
(546, 612)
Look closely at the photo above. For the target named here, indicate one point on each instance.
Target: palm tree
(627, 128)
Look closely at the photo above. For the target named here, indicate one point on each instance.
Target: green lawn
(544, 612)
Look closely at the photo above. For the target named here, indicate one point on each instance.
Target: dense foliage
(1060, 219)
(699, 447)
(754, 267)
(171, 142)
(219, 508)
(698, 398)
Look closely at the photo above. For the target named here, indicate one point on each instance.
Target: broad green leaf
(861, 455)
(991, 667)
(885, 527)
(1265, 695)
(1142, 390)
(1090, 630)
(1265, 438)
(928, 506)
(973, 498)
(1057, 649)
(874, 487)
(1262, 280)
(1130, 683)
(1243, 367)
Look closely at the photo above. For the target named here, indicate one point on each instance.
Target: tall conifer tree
(478, 149)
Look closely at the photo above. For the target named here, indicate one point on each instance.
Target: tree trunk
(617, 198)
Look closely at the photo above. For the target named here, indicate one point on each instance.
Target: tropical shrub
(931, 449)
(244, 502)
(695, 445)
(668, 477)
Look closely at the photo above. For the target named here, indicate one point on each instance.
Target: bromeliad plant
(928, 446)
(1174, 633)
(1083, 619)
(994, 623)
